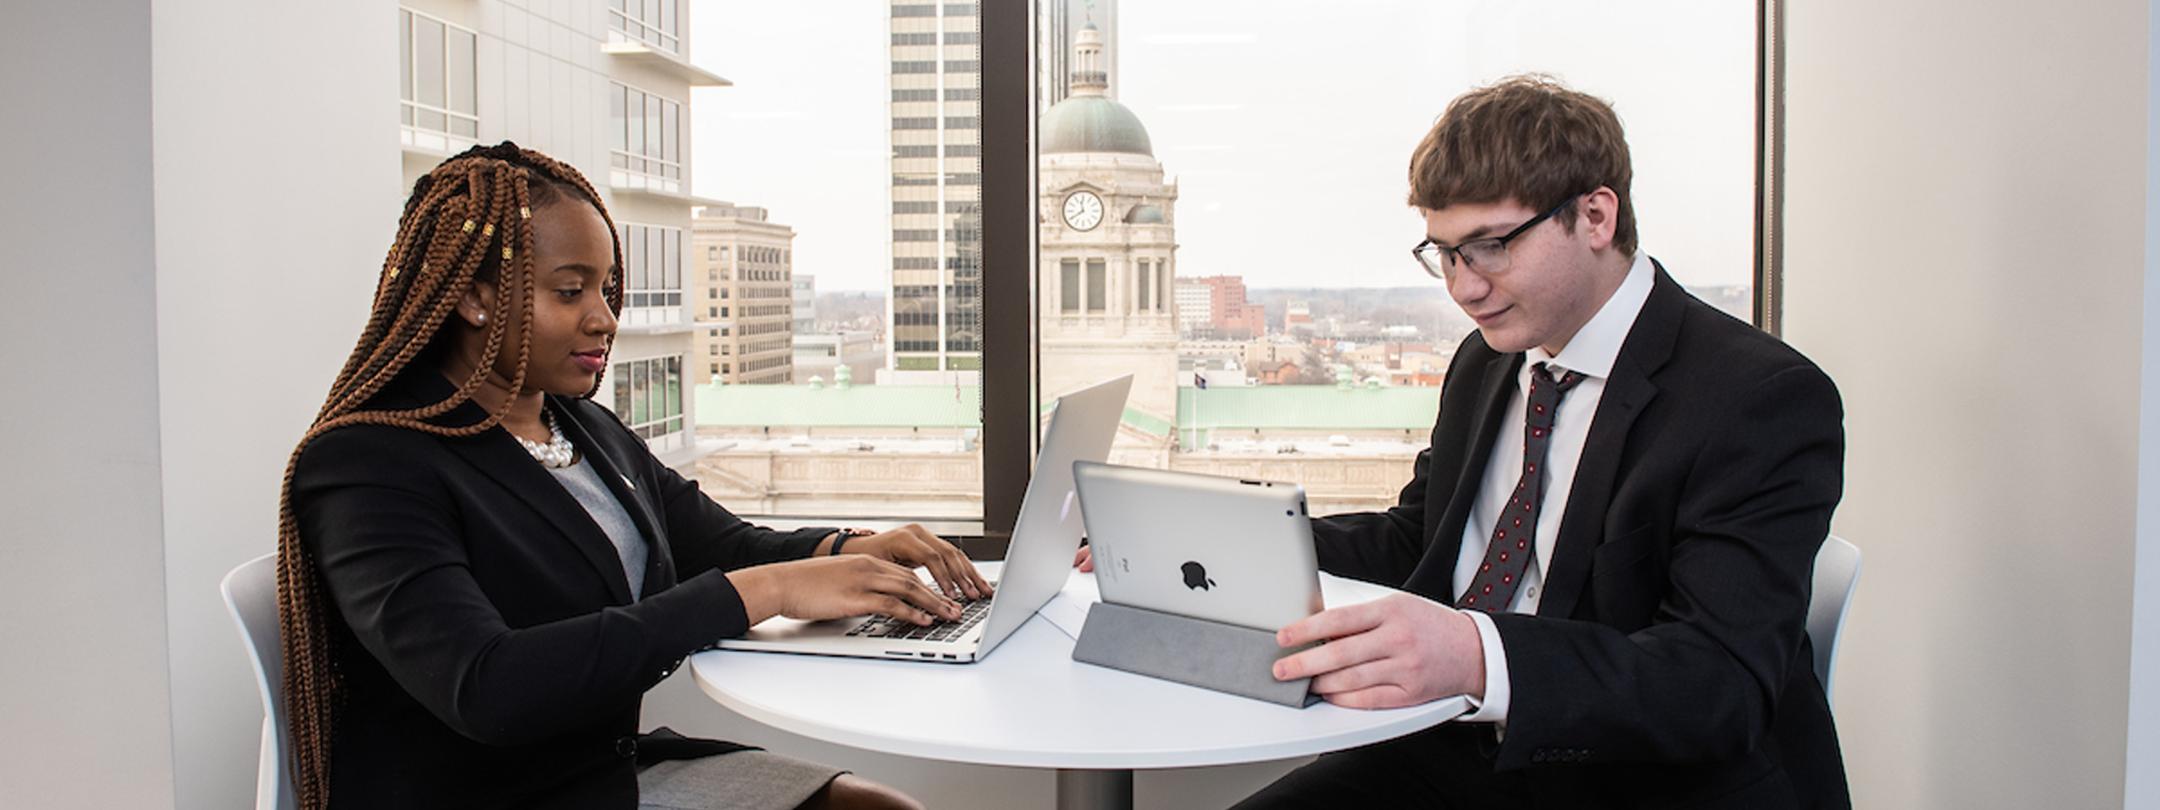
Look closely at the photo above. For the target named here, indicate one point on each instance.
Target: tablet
(1231, 550)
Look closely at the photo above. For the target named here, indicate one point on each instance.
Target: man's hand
(1084, 559)
(1397, 651)
(913, 546)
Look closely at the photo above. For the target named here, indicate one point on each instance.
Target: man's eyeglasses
(1488, 255)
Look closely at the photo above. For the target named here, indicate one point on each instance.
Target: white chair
(251, 594)
(1837, 570)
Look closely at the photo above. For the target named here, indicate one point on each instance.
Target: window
(652, 274)
(649, 398)
(651, 22)
(1069, 286)
(437, 80)
(1097, 286)
(1143, 283)
(1273, 331)
(645, 140)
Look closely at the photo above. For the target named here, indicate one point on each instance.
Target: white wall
(2142, 785)
(277, 193)
(1965, 248)
(82, 589)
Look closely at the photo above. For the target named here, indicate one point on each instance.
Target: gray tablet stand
(1195, 652)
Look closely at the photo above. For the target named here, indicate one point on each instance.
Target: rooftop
(1277, 407)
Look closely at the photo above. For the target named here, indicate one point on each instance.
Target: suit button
(626, 747)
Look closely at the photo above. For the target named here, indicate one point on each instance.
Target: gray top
(584, 484)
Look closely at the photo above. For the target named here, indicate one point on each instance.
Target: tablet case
(1195, 652)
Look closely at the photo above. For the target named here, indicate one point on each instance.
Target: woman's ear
(475, 305)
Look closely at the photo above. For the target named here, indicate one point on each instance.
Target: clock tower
(1108, 237)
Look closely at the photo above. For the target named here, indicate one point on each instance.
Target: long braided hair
(467, 223)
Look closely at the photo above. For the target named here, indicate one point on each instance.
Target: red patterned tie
(1514, 539)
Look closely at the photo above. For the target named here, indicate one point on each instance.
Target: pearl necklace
(557, 453)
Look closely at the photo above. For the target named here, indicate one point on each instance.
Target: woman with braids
(481, 571)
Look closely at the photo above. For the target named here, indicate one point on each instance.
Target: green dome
(1092, 123)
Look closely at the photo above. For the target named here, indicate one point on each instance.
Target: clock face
(1083, 210)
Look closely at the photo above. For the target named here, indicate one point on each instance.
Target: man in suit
(1608, 546)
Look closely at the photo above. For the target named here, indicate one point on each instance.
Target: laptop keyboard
(971, 614)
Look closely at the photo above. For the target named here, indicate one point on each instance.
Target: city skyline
(804, 131)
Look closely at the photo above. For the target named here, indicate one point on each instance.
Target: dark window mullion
(1008, 250)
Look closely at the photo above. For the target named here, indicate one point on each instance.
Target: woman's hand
(913, 546)
(836, 587)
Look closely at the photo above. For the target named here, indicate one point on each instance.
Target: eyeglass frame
(1453, 255)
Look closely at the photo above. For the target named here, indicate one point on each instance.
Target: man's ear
(1598, 214)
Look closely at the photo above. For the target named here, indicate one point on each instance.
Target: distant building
(805, 304)
(1061, 21)
(1230, 314)
(818, 355)
(1297, 317)
(935, 309)
(745, 294)
(1108, 238)
(1278, 372)
(1195, 308)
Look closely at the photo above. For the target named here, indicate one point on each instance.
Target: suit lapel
(659, 567)
(1435, 574)
(1649, 344)
(497, 455)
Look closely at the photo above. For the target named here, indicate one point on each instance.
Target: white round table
(1030, 705)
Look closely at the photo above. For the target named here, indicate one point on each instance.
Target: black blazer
(491, 653)
(1668, 664)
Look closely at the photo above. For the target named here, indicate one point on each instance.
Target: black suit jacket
(491, 652)
(1668, 664)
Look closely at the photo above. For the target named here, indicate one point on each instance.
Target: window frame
(664, 34)
(1008, 193)
(637, 412)
(629, 166)
(411, 109)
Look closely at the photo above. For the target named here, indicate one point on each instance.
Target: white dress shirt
(1591, 352)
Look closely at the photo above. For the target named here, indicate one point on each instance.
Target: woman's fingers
(909, 587)
(954, 573)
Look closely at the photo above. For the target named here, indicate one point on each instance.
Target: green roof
(1091, 124)
(1281, 407)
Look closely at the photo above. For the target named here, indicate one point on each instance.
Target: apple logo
(1196, 576)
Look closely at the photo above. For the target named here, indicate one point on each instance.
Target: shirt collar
(1596, 346)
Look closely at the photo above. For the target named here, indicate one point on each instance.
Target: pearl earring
(481, 318)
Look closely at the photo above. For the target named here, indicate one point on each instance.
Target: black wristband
(841, 537)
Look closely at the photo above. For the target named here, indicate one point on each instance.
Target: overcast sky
(1287, 126)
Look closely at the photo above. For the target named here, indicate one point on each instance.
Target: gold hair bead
(468, 226)
(524, 212)
(506, 253)
(487, 230)
(393, 274)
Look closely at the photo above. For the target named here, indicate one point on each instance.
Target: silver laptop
(1082, 425)
(1230, 550)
